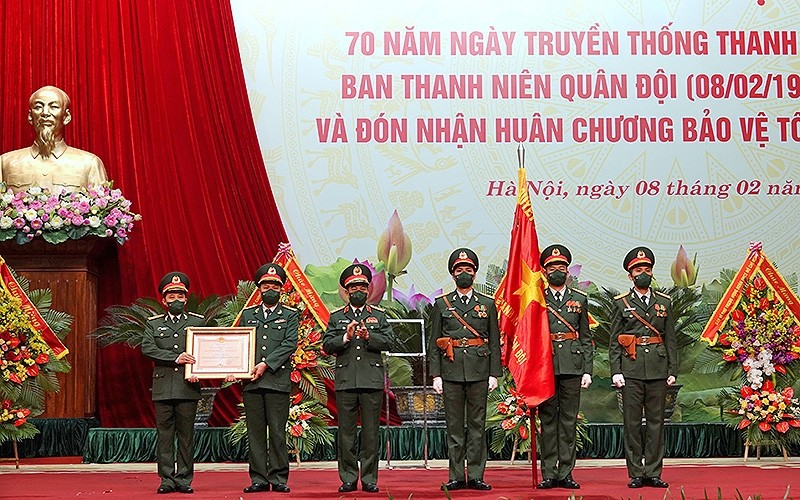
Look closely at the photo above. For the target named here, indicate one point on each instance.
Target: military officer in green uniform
(266, 395)
(174, 397)
(464, 355)
(356, 335)
(644, 361)
(572, 365)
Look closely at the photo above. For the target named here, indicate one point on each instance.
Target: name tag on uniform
(344, 321)
(251, 322)
(627, 309)
(372, 320)
(451, 308)
(162, 328)
(281, 320)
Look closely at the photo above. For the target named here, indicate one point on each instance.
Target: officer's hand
(258, 370)
(362, 331)
(618, 380)
(185, 359)
(193, 379)
(492, 383)
(230, 378)
(671, 380)
(586, 381)
(437, 385)
(351, 331)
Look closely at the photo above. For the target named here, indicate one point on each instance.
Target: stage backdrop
(662, 123)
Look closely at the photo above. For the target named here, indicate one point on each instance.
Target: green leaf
(55, 237)
(7, 234)
(77, 232)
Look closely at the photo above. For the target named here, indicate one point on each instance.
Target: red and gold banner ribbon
(11, 286)
(756, 262)
(287, 260)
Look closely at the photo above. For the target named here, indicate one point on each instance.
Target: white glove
(671, 380)
(492, 383)
(618, 380)
(586, 381)
(437, 385)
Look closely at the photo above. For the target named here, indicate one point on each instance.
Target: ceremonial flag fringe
(298, 280)
(11, 286)
(522, 310)
(756, 262)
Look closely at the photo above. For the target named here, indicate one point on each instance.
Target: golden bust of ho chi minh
(49, 162)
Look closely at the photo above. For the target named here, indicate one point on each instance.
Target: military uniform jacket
(654, 361)
(358, 362)
(163, 341)
(571, 357)
(276, 341)
(471, 363)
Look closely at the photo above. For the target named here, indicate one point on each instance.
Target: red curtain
(158, 93)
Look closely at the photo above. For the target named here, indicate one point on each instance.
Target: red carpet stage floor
(600, 479)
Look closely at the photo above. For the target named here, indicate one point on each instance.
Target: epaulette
(621, 295)
(666, 296)
(483, 295)
(441, 295)
(377, 308)
(293, 309)
(196, 315)
(337, 310)
(580, 292)
(156, 316)
(251, 307)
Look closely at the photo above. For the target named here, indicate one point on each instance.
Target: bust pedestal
(72, 272)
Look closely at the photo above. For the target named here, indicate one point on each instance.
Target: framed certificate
(220, 351)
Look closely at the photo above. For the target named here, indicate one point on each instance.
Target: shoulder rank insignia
(156, 316)
(196, 315)
(662, 294)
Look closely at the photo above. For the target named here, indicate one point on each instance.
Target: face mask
(643, 281)
(557, 278)
(464, 280)
(270, 297)
(358, 299)
(175, 307)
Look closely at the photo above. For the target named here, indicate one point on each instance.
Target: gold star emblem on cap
(556, 252)
(640, 254)
(462, 255)
(356, 271)
(176, 279)
(272, 270)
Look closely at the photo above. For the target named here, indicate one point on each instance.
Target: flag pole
(531, 411)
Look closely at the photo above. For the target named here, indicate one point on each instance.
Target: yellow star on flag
(530, 289)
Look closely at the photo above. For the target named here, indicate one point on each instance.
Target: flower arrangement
(15, 416)
(759, 336)
(27, 364)
(306, 427)
(310, 365)
(765, 415)
(56, 217)
(508, 417)
(762, 334)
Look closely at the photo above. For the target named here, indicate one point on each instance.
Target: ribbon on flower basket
(299, 281)
(11, 286)
(756, 262)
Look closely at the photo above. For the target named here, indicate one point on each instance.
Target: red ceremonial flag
(522, 310)
(10, 285)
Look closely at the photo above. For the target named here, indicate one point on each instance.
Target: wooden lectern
(71, 270)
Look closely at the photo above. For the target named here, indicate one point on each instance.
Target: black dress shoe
(453, 485)
(185, 488)
(281, 488)
(370, 487)
(655, 482)
(256, 487)
(635, 482)
(547, 483)
(478, 484)
(347, 487)
(570, 483)
(165, 489)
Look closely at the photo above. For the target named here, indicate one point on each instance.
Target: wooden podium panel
(71, 271)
